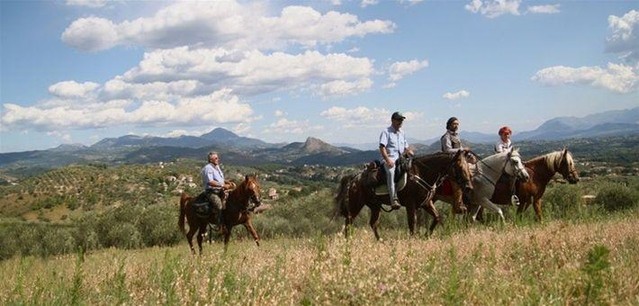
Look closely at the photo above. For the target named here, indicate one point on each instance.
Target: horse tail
(341, 198)
(184, 198)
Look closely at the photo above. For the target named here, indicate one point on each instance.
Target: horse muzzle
(572, 179)
(523, 175)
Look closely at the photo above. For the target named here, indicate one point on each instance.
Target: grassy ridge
(590, 262)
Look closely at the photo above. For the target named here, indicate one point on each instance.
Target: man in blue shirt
(392, 144)
(214, 184)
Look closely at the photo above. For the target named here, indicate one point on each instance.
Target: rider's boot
(395, 204)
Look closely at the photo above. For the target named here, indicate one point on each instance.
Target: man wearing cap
(392, 144)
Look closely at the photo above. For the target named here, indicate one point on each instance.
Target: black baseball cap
(398, 116)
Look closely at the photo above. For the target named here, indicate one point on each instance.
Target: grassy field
(591, 262)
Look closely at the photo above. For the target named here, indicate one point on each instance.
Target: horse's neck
(237, 196)
(543, 168)
(434, 168)
(492, 168)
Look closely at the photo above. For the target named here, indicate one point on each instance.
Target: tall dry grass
(549, 264)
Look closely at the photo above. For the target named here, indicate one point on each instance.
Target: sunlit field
(555, 263)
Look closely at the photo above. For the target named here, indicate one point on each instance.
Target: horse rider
(450, 141)
(392, 144)
(505, 144)
(215, 185)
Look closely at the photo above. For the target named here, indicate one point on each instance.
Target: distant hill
(249, 151)
(618, 122)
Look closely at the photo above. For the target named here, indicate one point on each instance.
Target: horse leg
(490, 205)
(411, 216)
(189, 237)
(537, 206)
(374, 221)
(200, 236)
(249, 227)
(430, 208)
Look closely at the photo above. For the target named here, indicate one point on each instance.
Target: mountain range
(249, 151)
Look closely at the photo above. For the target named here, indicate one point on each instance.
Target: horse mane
(240, 189)
(552, 160)
(438, 155)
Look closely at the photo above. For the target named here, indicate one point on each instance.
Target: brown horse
(425, 175)
(541, 170)
(239, 206)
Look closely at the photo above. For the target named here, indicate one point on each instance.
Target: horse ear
(246, 177)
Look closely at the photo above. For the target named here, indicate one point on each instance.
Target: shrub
(158, 225)
(562, 201)
(58, 241)
(123, 235)
(614, 197)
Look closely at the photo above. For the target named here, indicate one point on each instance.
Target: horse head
(567, 168)
(461, 170)
(514, 165)
(249, 191)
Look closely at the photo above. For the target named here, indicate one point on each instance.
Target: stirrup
(514, 200)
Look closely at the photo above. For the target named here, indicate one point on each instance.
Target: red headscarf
(505, 129)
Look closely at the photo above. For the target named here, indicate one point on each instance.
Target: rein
(431, 189)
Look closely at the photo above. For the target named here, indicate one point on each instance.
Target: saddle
(374, 175)
(202, 207)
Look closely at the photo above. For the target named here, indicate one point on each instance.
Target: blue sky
(78, 71)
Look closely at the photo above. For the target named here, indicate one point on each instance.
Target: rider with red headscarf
(504, 143)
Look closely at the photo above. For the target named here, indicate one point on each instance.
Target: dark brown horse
(541, 170)
(239, 205)
(426, 173)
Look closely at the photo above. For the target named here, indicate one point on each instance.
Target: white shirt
(503, 146)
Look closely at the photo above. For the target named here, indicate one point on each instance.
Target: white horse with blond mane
(487, 174)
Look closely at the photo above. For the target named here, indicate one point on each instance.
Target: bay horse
(541, 169)
(239, 210)
(424, 175)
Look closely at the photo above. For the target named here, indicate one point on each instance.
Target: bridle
(517, 171)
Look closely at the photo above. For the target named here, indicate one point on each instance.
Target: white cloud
(251, 72)
(225, 24)
(279, 113)
(92, 34)
(544, 9)
(366, 3)
(615, 77)
(494, 8)
(399, 70)
(87, 3)
(344, 88)
(363, 116)
(624, 39)
(186, 111)
(284, 125)
(456, 95)
(72, 89)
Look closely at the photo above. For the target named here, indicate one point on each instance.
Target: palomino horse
(541, 170)
(488, 172)
(239, 205)
(426, 173)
